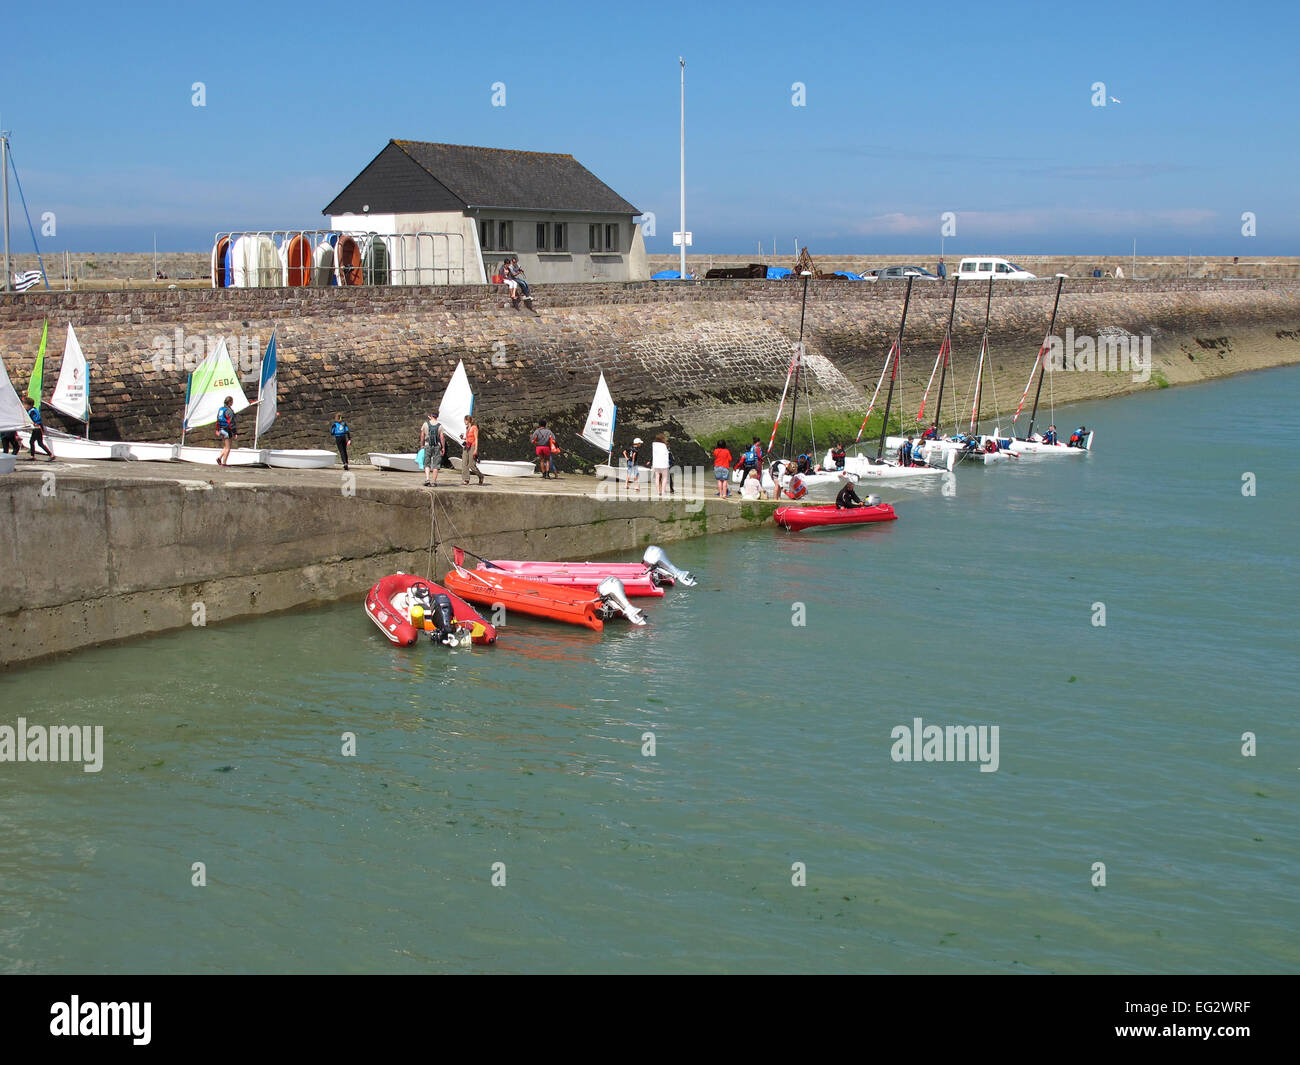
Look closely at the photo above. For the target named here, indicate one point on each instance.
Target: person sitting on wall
(516, 272)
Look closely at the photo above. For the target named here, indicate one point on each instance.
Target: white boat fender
(611, 590)
(657, 562)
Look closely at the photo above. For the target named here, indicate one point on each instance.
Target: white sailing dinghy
(1032, 443)
(205, 392)
(598, 430)
(268, 410)
(457, 405)
(13, 415)
(878, 469)
(72, 397)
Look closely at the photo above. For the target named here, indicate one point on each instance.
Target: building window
(603, 237)
(561, 237)
(541, 236)
(486, 231)
(505, 236)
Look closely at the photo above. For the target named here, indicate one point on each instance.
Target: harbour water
(772, 692)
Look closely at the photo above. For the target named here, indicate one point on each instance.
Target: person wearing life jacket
(991, 446)
(1049, 437)
(226, 432)
(36, 435)
(750, 460)
(905, 452)
(932, 433)
(802, 465)
(1078, 436)
(342, 436)
(794, 488)
(837, 456)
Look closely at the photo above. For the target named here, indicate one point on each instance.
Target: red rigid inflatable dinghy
(388, 606)
(796, 518)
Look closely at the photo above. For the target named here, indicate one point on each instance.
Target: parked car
(982, 267)
(899, 272)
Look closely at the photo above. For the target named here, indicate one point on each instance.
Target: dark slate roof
(412, 176)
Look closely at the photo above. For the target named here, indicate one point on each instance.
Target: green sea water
(1119, 744)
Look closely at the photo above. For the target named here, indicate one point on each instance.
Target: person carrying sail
(226, 432)
(794, 488)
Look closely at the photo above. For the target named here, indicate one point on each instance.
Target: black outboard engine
(615, 601)
(659, 567)
(445, 629)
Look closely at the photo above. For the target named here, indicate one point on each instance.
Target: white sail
(13, 415)
(211, 382)
(599, 429)
(457, 404)
(72, 392)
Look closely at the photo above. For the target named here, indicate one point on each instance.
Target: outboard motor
(611, 591)
(658, 563)
(445, 629)
(873, 501)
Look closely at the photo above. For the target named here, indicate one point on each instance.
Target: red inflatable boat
(389, 605)
(636, 578)
(528, 595)
(797, 518)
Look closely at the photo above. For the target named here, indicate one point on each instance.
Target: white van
(982, 267)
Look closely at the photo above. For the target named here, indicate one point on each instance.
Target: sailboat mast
(984, 347)
(947, 354)
(798, 362)
(1042, 356)
(898, 354)
(4, 166)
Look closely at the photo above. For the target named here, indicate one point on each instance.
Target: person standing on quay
(342, 436)
(543, 441)
(942, 271)
(37, 438)
(659, 463)
(633, 456)
(434, 442)
(722, 469)
(226, 432)
(469, 460)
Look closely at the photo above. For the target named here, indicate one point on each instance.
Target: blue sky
(912, 110)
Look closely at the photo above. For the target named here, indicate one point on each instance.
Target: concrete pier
(104, 551)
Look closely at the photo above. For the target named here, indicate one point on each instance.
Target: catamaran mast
(984, 347)
(1042, 356)
(947, 354)
(798, 363)
(898, 354)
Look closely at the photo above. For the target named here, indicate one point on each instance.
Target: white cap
(637, 440)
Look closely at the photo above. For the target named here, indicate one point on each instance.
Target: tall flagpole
(683, 259)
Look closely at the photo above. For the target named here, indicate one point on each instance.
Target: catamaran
(968, 447)
(1031, 444)
(879, 469)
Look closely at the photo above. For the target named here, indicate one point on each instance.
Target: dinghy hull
(797, 519)
(308, 459)
(207, 456)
